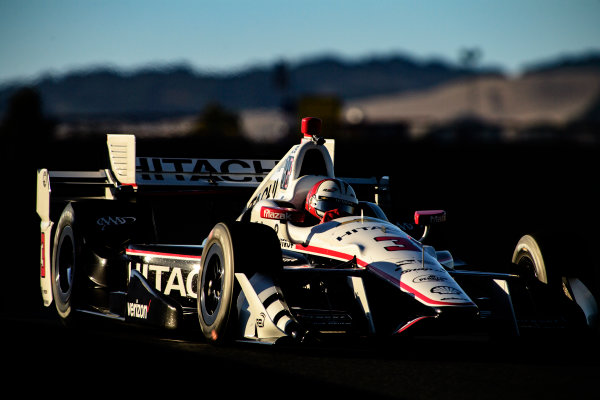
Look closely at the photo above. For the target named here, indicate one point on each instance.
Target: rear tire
(65, 259)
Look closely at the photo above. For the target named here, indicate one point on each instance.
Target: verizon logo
(136, 310)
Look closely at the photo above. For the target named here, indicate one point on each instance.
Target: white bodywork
(378, 246)
(385, 250)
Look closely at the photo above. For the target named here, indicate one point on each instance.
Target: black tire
(65, 265)
(548, 276)
(231, 248)
(528, 256)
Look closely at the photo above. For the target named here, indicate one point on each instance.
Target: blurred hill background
(413, 98)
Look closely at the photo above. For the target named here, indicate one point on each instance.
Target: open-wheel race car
(153, 241)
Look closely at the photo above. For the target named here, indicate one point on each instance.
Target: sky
(39, 37)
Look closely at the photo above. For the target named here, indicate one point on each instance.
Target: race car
(158, 241)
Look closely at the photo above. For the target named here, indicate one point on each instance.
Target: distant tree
(217, 122)
(470, 58)
(24, 130)
(281, 76)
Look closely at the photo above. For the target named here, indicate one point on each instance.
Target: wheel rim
(213, 284)
(525, 261)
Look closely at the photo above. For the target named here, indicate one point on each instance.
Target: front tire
(553, 294)
(231, 248)
(215, 285)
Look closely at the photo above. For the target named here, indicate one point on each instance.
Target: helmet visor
(325, 204)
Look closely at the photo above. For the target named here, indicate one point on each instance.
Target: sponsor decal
(45, 179)
(445, 290)
(157, 171)
(429, 278)
(104, 222)
(281, 214)
(136, 310)
(285, 244)
(409, 270)
(287, 168)
(268, 192)
(454, 298)
(402, 263)
(273, 213)
(260, 320)
(170, 280)
(405, 226)
(360, 229)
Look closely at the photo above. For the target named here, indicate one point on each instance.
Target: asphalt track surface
(41, 356)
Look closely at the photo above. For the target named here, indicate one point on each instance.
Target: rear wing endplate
(121, 152)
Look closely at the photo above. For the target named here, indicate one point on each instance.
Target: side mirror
(282, 214)
(427, 218)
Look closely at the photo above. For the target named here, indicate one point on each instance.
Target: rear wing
(129, 170)
(190, 172)
(129, 173)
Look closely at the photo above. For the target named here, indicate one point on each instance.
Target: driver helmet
(331, 194)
